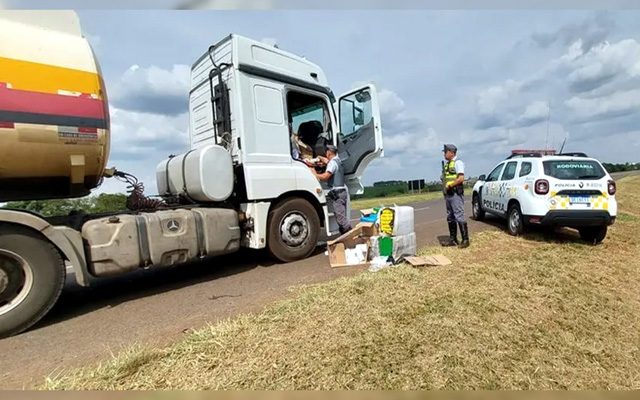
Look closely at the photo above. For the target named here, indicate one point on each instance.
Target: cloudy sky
(488, 81)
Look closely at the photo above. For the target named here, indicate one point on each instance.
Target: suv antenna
(546, 141)
(563, 143)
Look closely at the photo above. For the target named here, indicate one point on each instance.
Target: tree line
(621, 167)
(91, 204)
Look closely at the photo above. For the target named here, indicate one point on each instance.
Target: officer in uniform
(453, 179)
(338, 194)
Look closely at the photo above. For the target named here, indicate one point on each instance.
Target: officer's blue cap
(450, 147)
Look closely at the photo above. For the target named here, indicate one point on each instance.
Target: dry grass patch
(511, 313)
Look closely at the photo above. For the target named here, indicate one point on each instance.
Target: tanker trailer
(54, 117)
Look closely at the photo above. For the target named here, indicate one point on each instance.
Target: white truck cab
(249, 97)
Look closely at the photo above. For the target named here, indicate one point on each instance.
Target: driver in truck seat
(338, 195)
(300, 150)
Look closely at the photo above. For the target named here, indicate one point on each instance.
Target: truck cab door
(360, 134)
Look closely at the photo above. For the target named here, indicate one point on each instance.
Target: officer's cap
(331, 148)
(450, 147)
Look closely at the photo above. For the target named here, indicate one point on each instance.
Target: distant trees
(395, 188)
(91, 204)
(621, 167)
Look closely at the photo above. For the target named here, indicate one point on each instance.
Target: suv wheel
(593, 234)
(515, 222)
(476, 209)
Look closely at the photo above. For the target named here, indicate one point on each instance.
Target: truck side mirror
(482, 177)
(358, 116)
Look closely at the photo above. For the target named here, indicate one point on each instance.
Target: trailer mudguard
(68, 241)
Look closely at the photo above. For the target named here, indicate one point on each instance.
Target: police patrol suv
(569, 189)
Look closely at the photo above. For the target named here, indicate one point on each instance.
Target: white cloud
(602, 64)
(153, 89)
(491, 103)
(410, 144)
(143, 135)
(140, 141)
(390, 103)
(535, 112)
(615, 105)
(589, 32)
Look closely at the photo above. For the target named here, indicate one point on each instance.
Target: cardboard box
(338, 258)
(368, 229)
(349, 240)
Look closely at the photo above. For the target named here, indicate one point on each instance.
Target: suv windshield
(573, 169)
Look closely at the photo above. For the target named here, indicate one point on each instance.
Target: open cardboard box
(358, 235)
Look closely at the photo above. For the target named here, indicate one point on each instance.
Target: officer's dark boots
(453, 235)
(464, 232)
(344, 230)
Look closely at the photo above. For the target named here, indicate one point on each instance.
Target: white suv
(569, 190)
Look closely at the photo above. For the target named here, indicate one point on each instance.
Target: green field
(394, 200)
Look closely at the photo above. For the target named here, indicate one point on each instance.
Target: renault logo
(173, 225)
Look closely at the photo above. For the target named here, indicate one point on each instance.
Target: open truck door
(360, 135)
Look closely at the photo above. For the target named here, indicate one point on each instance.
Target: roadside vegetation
(90, 204)
(394, 200)
(532, 312)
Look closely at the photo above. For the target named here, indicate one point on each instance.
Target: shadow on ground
(110, 292)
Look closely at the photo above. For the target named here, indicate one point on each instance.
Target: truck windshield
(573, 169)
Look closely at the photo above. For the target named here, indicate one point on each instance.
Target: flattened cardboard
(432, 261)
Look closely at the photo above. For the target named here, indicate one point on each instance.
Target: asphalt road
(157, 307)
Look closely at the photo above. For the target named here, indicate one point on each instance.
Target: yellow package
(387, 216)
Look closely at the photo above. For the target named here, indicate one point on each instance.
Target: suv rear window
(573, 169)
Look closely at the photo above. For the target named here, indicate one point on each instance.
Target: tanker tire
(286, 213)
(47, 272)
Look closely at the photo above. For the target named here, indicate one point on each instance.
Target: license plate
(580, 199)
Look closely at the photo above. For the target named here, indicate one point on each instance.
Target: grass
(394, 200)
(510, 313)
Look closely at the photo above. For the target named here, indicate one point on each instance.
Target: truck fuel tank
(123, 243)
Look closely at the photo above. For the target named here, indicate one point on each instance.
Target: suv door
(506, 185)
(360, 134)
(490, 190)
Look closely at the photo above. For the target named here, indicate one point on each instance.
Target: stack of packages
(396, 237)
(384, 236)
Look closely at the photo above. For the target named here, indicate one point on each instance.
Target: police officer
(338, 194)
(453, 179)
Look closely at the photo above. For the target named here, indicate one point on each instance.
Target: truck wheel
(476, 208)
(593, 234)
(294, 227)
(515, 222)
(32, 275)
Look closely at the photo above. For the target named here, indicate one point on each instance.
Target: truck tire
(32, 275)
(294, 227)
(593, 234)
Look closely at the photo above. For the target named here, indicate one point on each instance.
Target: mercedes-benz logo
(173, 225)
(581, 184)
